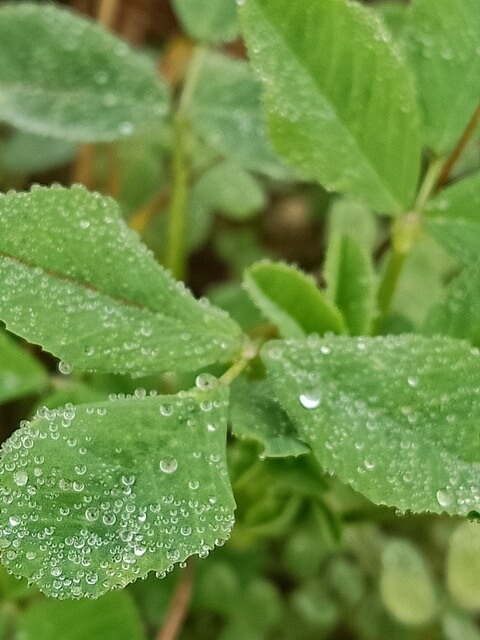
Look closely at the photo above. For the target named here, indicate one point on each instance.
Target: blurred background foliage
(308, 558)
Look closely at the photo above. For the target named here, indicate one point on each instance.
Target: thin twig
(178, 606)
(462, 143)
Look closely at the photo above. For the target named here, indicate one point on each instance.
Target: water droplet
(444, 498)
(65, 367)
(168, 465)
(166, 409)
(310, 399)
(412, 382)
(20, 478)
(205, 381)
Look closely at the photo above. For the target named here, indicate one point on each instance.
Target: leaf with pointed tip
(341, 101)
(99, 299)
(442, 36)
(95, 496)
(291, 300)
(226, 111)
(457, 314)
(453, 219)
(395, 417)
(213, 21)
(256, 413)
(63, 75)
(20, 373)
(114, 617)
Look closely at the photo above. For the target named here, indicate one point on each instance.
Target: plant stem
(405, 232)
(178, 607)
(107, 12)
(249, 352)
(176, 257)
(461, 144)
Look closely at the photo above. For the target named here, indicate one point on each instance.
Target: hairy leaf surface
(95, 496)
(77, 281)
(291, 300)
(341, 102)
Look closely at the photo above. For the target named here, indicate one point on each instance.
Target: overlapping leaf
(291, 300)
(341, 101)
(395, 417)
(95, 496)
(66, 76)
(226, 111)
(256, 413)
(213, 21)
(20, 373)
(445, 53)
(453, 219)
(77, 281)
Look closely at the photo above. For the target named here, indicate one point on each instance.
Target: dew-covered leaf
(226, 111)
(406, 587)
(395, 417)
(459, 625)
(95, 496)
(256, 413)
(77, 281)
(214, 21)
(453, 219)
(66, 76)
(20, 373)
(291, 300)
(463, 565)
(457, 314)
(340, 99)
(445, 54)
(230, 190)
(351, 281)
(28, 153)
(113, 617)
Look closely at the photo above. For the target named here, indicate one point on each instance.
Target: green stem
(405, 233)
(176, 258)
(389, 280)
(249, 352)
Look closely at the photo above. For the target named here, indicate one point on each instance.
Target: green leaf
(235, 301)
(114, 617)
(20, 373)
(29, 153)
(214, 21)
(291, 300)
(341, 102)
(445, 54)
(394, 417)
(406, 586)
(354, 219)
(226, 111)
(457, 314)
(351, 282)
(463, 565)
(421, 282)
(95, 496)
(453, 219)
(66, 76)
(256, 413)
(230, 190)
(460, 626)
(114, 309)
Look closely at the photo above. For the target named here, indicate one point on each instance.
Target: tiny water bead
(205, 381)
(168, 465)
(96, 516)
